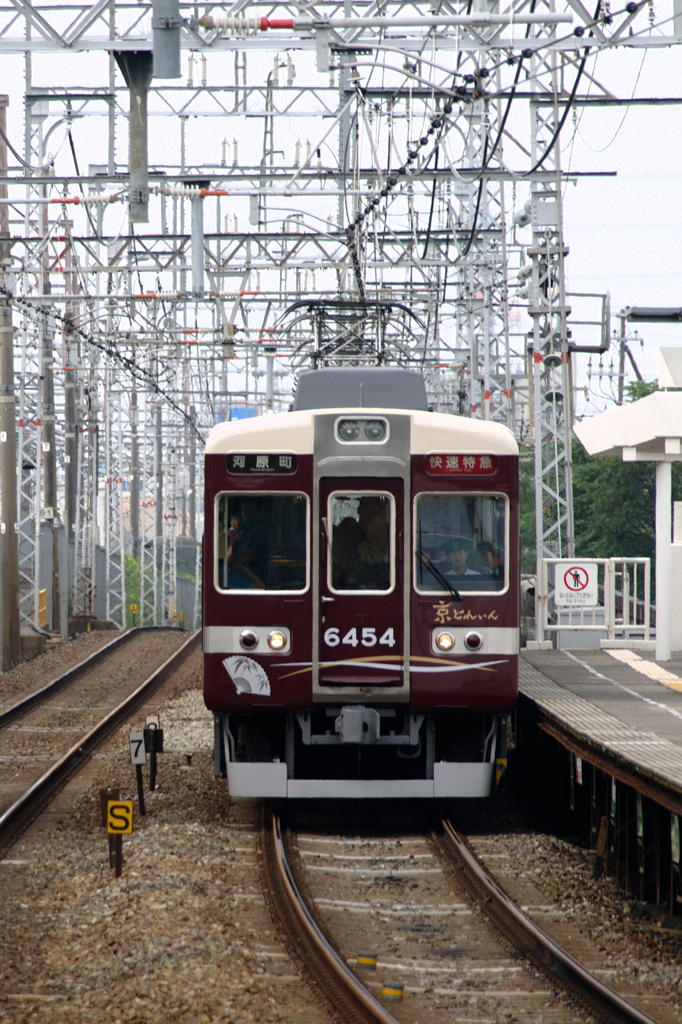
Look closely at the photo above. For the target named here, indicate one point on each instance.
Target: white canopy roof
(648, 430)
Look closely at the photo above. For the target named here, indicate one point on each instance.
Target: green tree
(132, 571)
(613, 501)
(613, 506)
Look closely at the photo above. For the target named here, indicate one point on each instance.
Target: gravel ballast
(184, 935)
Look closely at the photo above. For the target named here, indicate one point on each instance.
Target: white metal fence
(623, 608)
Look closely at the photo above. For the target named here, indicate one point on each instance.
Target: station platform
(619, 700)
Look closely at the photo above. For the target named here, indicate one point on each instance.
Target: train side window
(261, 542)
(361, 542)
(461, 539)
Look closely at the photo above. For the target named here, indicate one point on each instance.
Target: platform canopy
(649, 430)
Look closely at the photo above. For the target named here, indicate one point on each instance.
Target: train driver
(457, 551)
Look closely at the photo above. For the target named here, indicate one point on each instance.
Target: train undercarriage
(354, 751)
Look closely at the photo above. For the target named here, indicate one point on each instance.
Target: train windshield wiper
(438, 575)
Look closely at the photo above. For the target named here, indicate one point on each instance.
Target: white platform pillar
(663, 557)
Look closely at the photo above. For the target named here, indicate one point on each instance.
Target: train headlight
(473, 640)
(445, 641)
(375, 430)
(248, 639)
(348, 430)
(277, 640)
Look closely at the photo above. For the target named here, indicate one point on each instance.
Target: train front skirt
(466, 779)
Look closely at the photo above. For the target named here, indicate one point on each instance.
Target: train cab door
(362, 591)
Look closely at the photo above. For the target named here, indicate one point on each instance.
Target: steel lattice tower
(313, 157)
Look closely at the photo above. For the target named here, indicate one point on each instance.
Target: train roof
(371, 387)
(293, 432)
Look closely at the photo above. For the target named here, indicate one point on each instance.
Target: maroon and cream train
(361, 593)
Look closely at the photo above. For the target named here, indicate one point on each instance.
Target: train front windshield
(461, 541)
(261, 542)
(362, 542)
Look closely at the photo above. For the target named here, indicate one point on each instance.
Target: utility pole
(70, 385)
(50, 441)
(192, 503)
(9, 539)
(134, 476)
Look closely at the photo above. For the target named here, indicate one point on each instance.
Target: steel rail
(26, 704)
(347, 995)
(30, 804)
(527, 936)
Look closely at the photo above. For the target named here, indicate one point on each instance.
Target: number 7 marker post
(138, 757)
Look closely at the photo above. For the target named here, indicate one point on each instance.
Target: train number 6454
(368, 637)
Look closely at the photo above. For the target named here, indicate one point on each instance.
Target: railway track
(45, 693)
(95, 698)
(441, 931)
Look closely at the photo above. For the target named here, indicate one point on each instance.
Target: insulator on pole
(93, 199)
(189, 191)
(238, 24)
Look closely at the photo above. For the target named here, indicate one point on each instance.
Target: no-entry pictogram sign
(576, 584)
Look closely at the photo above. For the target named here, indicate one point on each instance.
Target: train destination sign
(576, 584)
(464, 465)
(261, 463)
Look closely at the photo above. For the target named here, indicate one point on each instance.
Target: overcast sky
(625, 233)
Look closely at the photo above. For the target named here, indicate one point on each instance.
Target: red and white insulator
(231, 295)
(238, 24)
(92, 199)
(100, 199)
(160, 295)
(183, 191)
(189, 191)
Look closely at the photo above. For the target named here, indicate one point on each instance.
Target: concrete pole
(269, 378)
(166, 24)
(50, 438)
(4, 209)
(158, 441)
(134, 476)
(621, 362)
(9, 537)
(197, 248)
(139, 185)
(192, 510)
(71, 416)
(11, 639)
(50, 465)
(663, 555)
(136, 68)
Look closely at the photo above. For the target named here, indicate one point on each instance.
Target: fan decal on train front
(247, 675)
